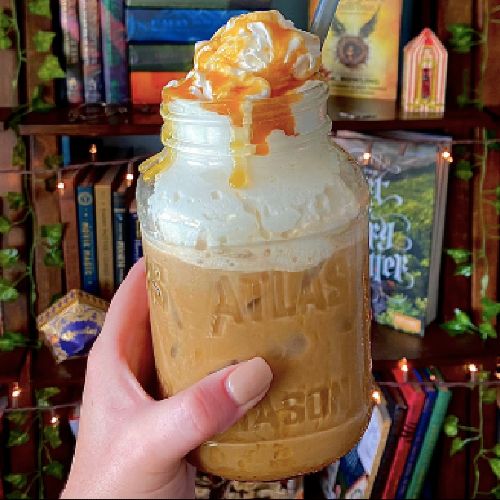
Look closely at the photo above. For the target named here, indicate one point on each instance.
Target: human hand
(130, 445)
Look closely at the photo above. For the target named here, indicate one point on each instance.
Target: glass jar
(255, 235)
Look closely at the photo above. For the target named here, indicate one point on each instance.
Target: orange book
(146, 86)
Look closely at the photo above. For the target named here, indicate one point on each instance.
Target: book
(408, 179)
(431, 436)
(87, 233)
(103, 189)
(134, 233)
(359, 57)
(120, 198)
(414, 397)
(90, 49)
(397, 408)
(114, 51)
(175, 25)
(164, 57)
(69, 219)
(351, 477)
(146, 86)
(70, 28)
(423, 423)
(200, 4)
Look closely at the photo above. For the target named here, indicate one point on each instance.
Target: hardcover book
(164, 57)
(70, 28)
(134, 233)
(414, 397)
(87, 233)
(104, 229)
(200, 4)
(407, 177)
(69, 219)
(431, 435)
(423, 423)
(175, 25)
(359, 56)
(114, 51)
(91, 50)
(396, 406)
(146, 86)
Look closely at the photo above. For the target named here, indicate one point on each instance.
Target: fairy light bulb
(54, 419)
(60, 186)
(376, 397)
(93, 152)
(403, 365)
(450, 159)
(16, 392)
(367, 156)
(446, 155)
(130, 177)
(473, 372)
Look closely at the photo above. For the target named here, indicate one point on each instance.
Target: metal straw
(323, 17)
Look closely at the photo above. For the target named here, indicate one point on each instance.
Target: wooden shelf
(356, 115)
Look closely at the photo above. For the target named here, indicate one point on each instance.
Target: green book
(431, 437)
(200, 4)
(160, 57)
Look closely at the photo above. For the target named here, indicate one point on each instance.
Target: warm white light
(93, 149)
(366, 156)
(60, 186)
(376, 397)
(16, 391)
(54, 420)
(129, 177)
(432, 378)
(403, 365)
(446, 154)
(450, 159)
(472, 368)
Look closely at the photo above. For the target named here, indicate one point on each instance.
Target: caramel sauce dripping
(217, 61)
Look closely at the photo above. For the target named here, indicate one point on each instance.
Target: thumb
(188, 419)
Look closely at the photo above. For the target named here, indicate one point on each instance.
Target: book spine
(416, 445)
(90, 48)
(164, 57)
(114, 51)
(104, 230)
(201, 4)
(119, 238)
(429, 444)
(87, 239)
(146, 86)
(135, 238)
(71, 46)
(175, 25)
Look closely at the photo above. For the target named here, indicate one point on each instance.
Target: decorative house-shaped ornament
(424, 74)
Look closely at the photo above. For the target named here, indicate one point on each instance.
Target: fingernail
(249, 380)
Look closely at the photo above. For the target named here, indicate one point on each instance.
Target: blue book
(175, 25)
(423, 424)
(86, 234)
(135, 238)
(120, 229)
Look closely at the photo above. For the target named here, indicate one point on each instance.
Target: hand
(130, 445)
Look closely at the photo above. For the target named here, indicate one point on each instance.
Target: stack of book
(102, 237)
(392, 458)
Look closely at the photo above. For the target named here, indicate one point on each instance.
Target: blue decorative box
(70, 326)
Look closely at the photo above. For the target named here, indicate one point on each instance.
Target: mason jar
(255, 236)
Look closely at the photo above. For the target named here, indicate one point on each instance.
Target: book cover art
(403, 185)
(416, 445)
(146, 86)
(200, 4)
(120, 198)
(175, 25)
(360, 52)
(114, 51)
(90, 48)
(70, 28)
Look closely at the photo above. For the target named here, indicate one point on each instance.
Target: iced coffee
(255, 236)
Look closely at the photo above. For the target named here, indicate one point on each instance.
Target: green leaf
(463, 170)
(450, 426)
(495, 466)
(460, 324)
(459, 255)
(491, 309)
(6, 345)
(51, 436)
(43, 40)
(489, 395)
(50, 69)
(8, 293)
(5, 20)
(9, 257)
(38, 102)
(5, 43)
(496, 450)
(55, 469)
(18, 417)
(43, 395)
(19, 153)
(457, 445)
(483, 376)
(40, 8)
(52, 234)
(53, 258)
(464, 270)
(461, 39)
(18, 481)
(486, 330)
(17, 438)
(17, 495)
(5, 225)
(15, 200)
(53, 161)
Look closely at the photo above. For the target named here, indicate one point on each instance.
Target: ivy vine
(48, 440)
